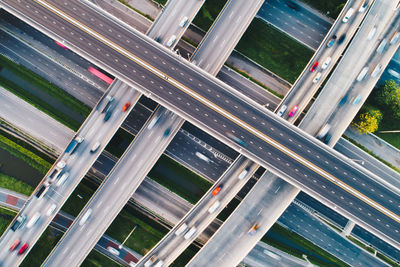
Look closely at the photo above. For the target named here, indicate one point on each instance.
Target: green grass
(39, 104)
(14, 184)
(96, 259)
(332, 6)
(22, 153)
(78, 199)
(360, 244)
(274, 50)
(42, 248)
(304, 243)
(147, 233)
(179, 180)
(389, 123)
(386, 259)
(6, 216)
(208, 13)
(161, 2)
(46, 86)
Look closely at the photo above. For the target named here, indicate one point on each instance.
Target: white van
(171, 40)
(181, 229)
(190, 233)
(282, 110)
(362, 74)
(183, 22)
(62, 179)
(33, 220)
(95, 147)
(348, 15)
(376, 71)
(243, 173)
(381, 46)
(85, 217)
(326, 63)
(214, 207)
(51, 209)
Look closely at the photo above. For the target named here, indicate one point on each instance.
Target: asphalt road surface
(163, 85)
(300, 22)
(224, 34)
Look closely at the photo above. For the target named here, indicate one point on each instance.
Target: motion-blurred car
(316, 77)
(15, 244)
(293, 110)
(23, 248)
(326, 63)
(217, 190)
(314, 66)
(254, 228)
(236, 139)
(126, 106)
(331, 41)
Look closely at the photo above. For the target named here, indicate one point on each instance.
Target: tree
(369, 121)
(388, 97)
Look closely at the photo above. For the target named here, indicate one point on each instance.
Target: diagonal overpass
(251, 124)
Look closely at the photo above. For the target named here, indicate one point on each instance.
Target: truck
(74, 144)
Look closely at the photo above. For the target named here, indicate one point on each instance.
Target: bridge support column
(348, 228)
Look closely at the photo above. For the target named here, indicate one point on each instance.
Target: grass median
(274, 50)
(15, 185)
(6, 216)
(179, 179)
(46, 86)
(23, 153)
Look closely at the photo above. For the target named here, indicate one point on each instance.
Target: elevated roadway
(77, 163)
(174, 19)
(172, 100)
(202, 214)
(222, 37)
(346, 83)
(114, 192)
(331, 47)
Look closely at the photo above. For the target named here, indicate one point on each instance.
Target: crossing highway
(173, 20)
(115, 191)
(62, 178)
(353, 88)
(205, 107)
(224, 34)
(324, 59)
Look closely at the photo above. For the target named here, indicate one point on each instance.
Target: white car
(282, 110)
(62, 179)
(171, 40)
(33, 220)
(362, 74)
(113, 251)
(326, 63)
(51, 209)
(376, 71)
(202, 157)
(95, 147)
(348, 15)
(85, 217)
(61, 164)
(243, 173)
(317, 77)
(183, 22)
(394, 38)
(213, 207)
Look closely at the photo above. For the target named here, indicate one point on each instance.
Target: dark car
(108, 115)
(331, 41)
(18, 222)
(341, 39)
(167, 132)
(292, 5)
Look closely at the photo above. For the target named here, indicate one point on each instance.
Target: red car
(126, 106)
(216, 190)
(293, 110)
(23, 248)
(314, 66)
(15, 244)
